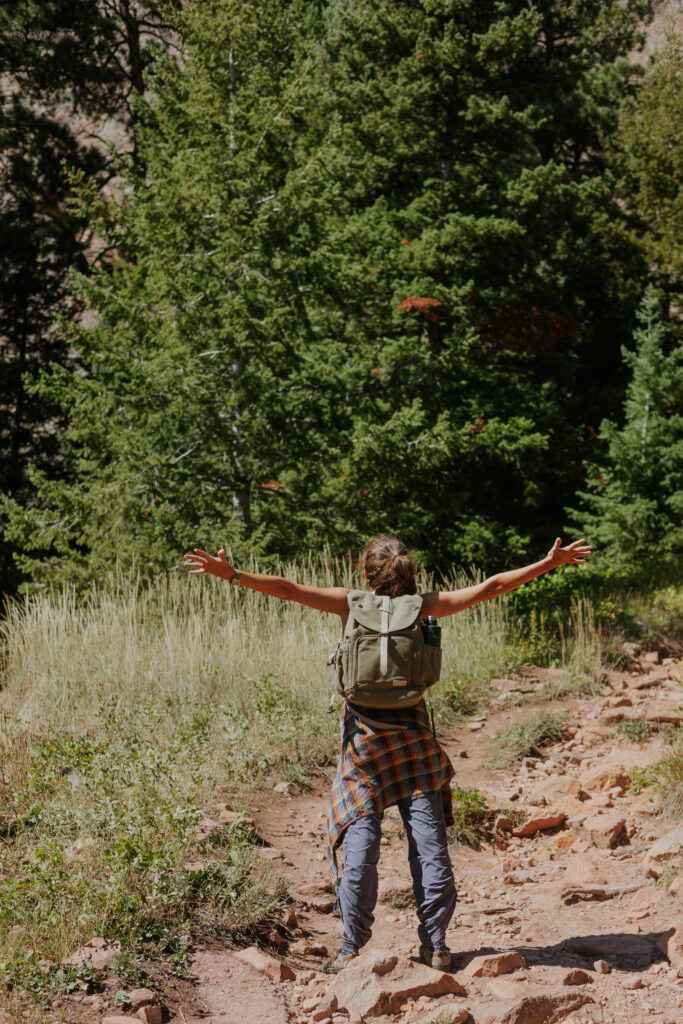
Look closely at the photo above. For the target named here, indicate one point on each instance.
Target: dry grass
(193, 643)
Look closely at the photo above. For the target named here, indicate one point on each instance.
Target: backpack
(382, 660)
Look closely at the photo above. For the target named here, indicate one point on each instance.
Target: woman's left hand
(202, 562)
(573, 554)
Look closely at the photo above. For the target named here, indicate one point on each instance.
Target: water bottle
(432, 632)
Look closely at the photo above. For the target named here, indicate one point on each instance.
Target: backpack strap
(384, 641)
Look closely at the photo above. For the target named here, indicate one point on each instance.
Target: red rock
(364, 992)
(265, 963)
(290, 919)
(576, 977)
(505, 988)
(150, 1014)
(607, 831)
(602, 967)
(565, 840)
(306, 948)
(517, 878)
(621, 702)
(492, 966)
(138, 997)
(671, 944)
(548, 1007)
(504, 824)
(540, 823)
(664, 849)
(607, 778)
(100, 952)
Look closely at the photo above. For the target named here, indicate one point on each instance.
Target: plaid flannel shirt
(378, 768)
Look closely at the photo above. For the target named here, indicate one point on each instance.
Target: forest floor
(591, 899)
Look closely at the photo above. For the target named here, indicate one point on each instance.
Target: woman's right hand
(202, 562)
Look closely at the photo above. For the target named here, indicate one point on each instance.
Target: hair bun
(389, 565)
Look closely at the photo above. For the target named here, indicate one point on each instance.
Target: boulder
(100, 952)
(493, 966)
(547, 1007)
(150, 1014)
(671, 944)
(265, 963)
(607, 831)
(589, 868)
(559, 786)
(564, 841)
(669, 846)
(540, 823)
(606, 778)
(138, 997)
(577, 977)
(378, 983)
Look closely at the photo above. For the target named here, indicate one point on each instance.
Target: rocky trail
(571, 909)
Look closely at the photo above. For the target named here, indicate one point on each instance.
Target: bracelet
(235, 579)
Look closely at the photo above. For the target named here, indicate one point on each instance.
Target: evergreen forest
(277, 275)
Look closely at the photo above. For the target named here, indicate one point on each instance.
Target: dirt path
(522, 893)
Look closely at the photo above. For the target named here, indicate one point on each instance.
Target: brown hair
(389, 565)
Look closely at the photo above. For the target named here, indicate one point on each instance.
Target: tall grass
(194, 643)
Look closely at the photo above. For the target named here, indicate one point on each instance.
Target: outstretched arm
(450, 601)
(324, 599)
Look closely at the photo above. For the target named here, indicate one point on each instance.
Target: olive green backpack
(382, 660)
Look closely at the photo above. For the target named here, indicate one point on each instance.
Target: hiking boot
(439, 959)
(336, 964)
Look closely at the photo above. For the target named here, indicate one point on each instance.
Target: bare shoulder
(440, 603)
(323, 599)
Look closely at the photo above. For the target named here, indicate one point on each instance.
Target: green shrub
(469, 814)
(633, 730)
(524, 739)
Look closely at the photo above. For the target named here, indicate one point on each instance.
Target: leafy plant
(633, 730)
(469, 813)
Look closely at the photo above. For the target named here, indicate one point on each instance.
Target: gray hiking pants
(430, 867)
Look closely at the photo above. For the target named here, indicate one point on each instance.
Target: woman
(401, 764)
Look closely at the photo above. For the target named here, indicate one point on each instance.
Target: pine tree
(196, 408)
(478, 275)
(372, 258)
(633, 507)
(648, 157)
(68, 66)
